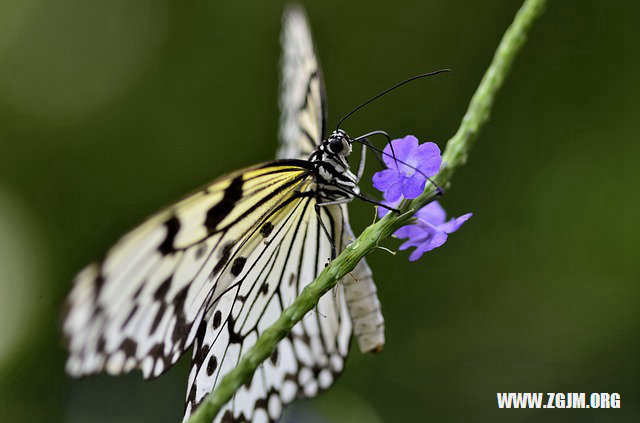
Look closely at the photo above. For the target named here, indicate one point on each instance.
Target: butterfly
(214, 270)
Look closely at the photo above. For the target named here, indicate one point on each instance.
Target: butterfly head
(339, 143)
(330, 160)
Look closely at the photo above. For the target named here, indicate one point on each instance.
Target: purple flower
(406, 178)
(430, 231)
(401, 178)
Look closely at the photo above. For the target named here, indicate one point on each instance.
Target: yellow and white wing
(141, 305)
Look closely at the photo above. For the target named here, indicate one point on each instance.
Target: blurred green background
(110, 110)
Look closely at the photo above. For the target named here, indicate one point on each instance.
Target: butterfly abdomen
(364, 308)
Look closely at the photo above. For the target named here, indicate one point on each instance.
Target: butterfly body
(330, 160)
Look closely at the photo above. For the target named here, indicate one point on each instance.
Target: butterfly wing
(302, 96)
(311, 356)
(141, 305)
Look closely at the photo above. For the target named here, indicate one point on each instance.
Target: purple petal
(385, 178)
(389, 202)
(431, 243)
(390, 183)
(436, 240)
(428, 159)
(409, 231)
(416, 254)
(413, 186)
(403, 148)
(454, 224)
(409, 244)
(417, 243)
(394, 192)
(432, 213)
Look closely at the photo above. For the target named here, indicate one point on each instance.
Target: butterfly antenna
(398, 85)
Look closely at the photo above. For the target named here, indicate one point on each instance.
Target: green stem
(455, 155)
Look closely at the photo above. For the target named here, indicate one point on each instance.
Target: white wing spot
(115, 362)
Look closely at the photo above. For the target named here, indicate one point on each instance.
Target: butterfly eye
(336, 145)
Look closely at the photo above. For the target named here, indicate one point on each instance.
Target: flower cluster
(406, 176)
(409, 165)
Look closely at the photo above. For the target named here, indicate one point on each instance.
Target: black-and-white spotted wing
(302, 96)
(141, 305)
(311, 356)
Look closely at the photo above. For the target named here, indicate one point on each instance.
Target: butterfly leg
(326, 232)
(324, 228)
(363, 157)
